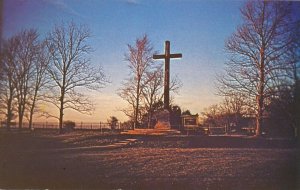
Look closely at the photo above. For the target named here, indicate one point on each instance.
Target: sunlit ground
(36, 160)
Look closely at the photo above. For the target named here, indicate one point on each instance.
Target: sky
(196, 28)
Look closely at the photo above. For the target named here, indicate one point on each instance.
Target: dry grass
(88, 138)
(199, 167)
(28, 161)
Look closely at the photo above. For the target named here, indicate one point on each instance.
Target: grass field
(37, 160)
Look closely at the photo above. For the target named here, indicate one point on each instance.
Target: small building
(190, 122)
(191, 125)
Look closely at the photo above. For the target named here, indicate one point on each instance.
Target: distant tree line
(261, 78)
(53, 69)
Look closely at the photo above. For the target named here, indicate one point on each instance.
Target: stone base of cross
(163, 120)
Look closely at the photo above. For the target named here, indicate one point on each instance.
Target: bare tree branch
(139, 58)
(260, 53)
(70, 69)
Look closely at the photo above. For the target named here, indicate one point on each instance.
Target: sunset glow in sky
(197, 29)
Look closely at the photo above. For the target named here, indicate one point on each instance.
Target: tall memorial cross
(167, 56)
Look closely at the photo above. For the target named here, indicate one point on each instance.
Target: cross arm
(176, 55)
(162, 56)
(159, 56)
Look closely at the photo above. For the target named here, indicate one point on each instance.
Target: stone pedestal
(163, 120)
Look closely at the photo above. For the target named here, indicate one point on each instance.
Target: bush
(113, 121)
(69, 125)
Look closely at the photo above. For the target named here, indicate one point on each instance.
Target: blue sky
(197, 29)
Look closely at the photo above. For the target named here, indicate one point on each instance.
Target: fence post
(100, 127)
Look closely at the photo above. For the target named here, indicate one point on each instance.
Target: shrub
(69, 125)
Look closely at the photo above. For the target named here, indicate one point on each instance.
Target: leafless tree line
(52, 70)
(143, 89)
(231, 113)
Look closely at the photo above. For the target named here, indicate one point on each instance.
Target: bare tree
(152, 91)
(26, 56)
(7, 87)
(127, 93)
(39, 80)
(70, 69)
(296, 73)
(140, 62)
(228, 114)
(260, 60)
(212, 116)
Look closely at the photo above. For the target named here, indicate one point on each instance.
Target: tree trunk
(9, 113)
(24, 100)
(21, 109)
(260, 97)
(20, 116)
(258, 123)
(62, 97)
(259, 117)
(32, 107)
(61, 114)
(136, 112)
(31, 113)
(30, 120)
(61, 110)
(9, 106)
(20, 121)
(149, 119)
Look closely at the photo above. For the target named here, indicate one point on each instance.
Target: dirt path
(27, 161)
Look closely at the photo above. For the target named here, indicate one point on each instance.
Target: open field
(36, 160)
